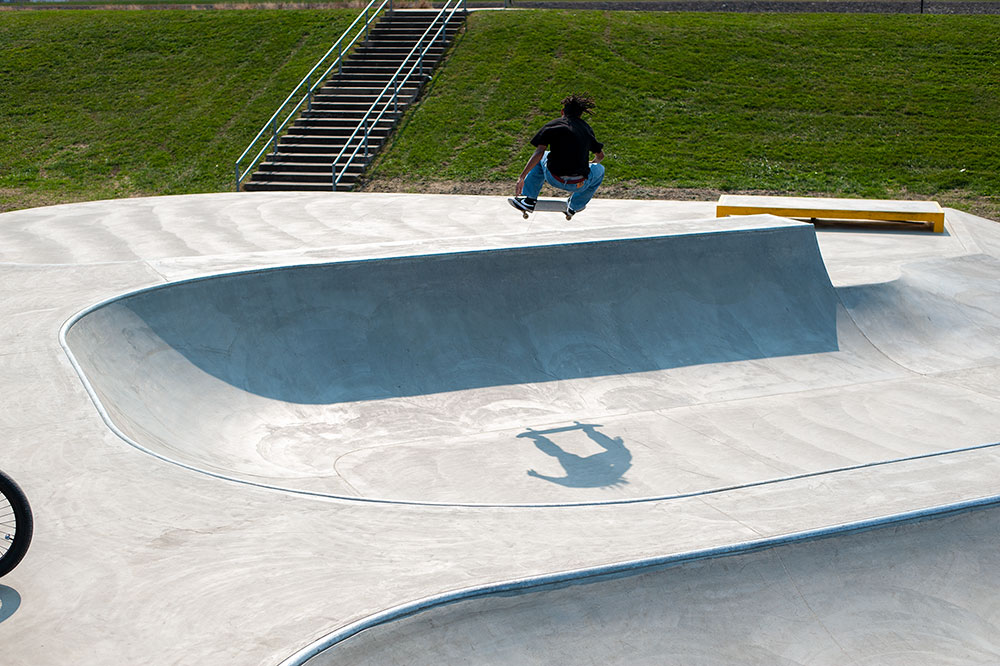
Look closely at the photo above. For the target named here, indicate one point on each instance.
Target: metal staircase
(348, 113)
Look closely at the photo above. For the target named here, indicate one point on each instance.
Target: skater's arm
(533, 161)
(598, 157)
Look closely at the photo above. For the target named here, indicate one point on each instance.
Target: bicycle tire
(16, 524)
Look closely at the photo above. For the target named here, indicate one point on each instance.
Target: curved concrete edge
(109, 422)
(622, 569)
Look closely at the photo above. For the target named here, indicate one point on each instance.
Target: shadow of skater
(601, 469)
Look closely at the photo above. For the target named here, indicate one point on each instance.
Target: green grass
(98, 104)
(102, 104)
(286, 4)
(853, 105)
(221, 4)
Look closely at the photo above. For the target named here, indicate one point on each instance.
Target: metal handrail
(366, 123)
(272, 140)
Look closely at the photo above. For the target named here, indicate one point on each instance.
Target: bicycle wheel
(15, 524)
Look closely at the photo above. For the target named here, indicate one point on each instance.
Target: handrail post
(237, 176)
(274, 135)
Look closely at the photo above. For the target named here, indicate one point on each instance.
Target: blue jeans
(582, 192)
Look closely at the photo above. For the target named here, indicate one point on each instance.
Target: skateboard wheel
(524, 215)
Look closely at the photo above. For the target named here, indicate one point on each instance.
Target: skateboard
(546, 206)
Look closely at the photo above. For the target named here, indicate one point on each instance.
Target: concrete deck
(211, 507)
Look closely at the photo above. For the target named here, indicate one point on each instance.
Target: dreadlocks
(575, 106)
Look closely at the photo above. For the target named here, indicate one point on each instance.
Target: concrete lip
(853, 379)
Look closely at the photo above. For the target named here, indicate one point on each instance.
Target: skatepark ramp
(916, 590)
(557, 489)
(324, 366)
(408, 326)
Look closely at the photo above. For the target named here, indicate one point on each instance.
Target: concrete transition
(389, 429)
(900, 595)
(280, 374)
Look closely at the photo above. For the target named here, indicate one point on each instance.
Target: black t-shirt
(571, 141)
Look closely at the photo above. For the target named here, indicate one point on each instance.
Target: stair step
(411, 34)
(405, 94)
(353, 94)
(357, 110)
(411, 27)
(354, 114)
(325, 141)
(340, 133)
(367, 80)
(343, 129)
(409, 40)
(291, 186)
(312, 168)
(310, 152)
(363, 102)
(379, 48)
(324, 119)
(393, 63)
(374, 72)
(319, 178)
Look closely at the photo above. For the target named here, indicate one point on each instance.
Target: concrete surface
(886, 404)
(906, 594)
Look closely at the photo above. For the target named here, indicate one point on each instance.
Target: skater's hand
(519, 187)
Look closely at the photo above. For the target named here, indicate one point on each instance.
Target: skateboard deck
(547, 206)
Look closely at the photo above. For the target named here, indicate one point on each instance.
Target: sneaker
(570, 213)
(523, 204)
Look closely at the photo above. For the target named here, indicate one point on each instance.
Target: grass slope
(97, 104)
(101, 104)
(853, 105)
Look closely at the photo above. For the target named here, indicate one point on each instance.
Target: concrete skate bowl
(916, 591)
(588, 372)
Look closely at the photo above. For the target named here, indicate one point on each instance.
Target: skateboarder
(562, 159)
